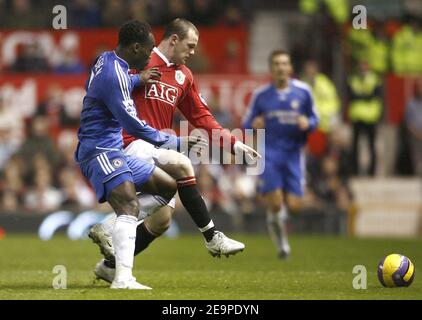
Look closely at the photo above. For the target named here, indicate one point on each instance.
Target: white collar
(162, 56)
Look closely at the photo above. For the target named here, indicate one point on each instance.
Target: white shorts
(147, 152)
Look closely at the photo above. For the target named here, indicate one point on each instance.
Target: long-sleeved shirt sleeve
(311, 111)
(252, 112)
(196, 111)
(117, 97)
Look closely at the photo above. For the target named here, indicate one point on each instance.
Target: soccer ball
(396, 270)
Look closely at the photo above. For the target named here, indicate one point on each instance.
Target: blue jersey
(108, 107)
(281, 108)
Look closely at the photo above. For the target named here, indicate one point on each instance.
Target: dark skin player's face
(142, 54)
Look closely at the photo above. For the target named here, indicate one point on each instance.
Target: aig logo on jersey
(163, 92)
(180, 77)
(117, 163)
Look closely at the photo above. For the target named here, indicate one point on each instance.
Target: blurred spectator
(42, 195)
(9, 201)
(339, 150)
(138, 10)
(115, 13)
(329, 187)
(204, 12)
(51, 107)
(11, 132)
(66, 145)
(365, 111)
(156, 10)
(39, 142)
(84, 14)
(407, 47)
(74, 190)
(413, 118)
(379, 48)
(325, 96)
(70, 63)
(223, 117)
(30, 58)
(176, 9)
(23, 15)
(337, 9)
(231, 63)
(199, 62)
(232, 16)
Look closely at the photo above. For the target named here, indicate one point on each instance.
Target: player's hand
(303, 123)
(251, 153)
(258, 122)
(194, 143)
(150, 76)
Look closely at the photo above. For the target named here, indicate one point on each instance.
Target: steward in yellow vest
(365, 111)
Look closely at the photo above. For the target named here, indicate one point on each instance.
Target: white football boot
(222, 245)
(103, 240)
(103, 272)
(129, 283)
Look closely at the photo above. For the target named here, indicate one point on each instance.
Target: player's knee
(185, 166)
(160, 223)
(132, 207)
(275, 207)
(294, 206)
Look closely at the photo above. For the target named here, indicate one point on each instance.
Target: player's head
(280, 66)
(137, 40)
(182, 37)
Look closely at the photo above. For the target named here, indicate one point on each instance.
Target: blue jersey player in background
(116, 178)
(285, 108)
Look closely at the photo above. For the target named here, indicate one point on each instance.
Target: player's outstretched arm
(117, 96)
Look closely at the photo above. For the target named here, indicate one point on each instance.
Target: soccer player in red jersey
(169, 84)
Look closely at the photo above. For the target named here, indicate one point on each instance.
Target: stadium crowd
(37, 170)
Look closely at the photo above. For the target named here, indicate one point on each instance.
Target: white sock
(149, 204)
(123, 237)
(281, 221)
(273, 228)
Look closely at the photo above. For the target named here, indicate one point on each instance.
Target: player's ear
(174, 38)
(136, 47)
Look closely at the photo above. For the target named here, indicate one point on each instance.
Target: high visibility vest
(378, 56)
(338, 9)
(308, 6)
(368, 111)
(407, 51)
(326, 101)
(360, 42)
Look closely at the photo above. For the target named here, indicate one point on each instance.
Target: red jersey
(157, 102)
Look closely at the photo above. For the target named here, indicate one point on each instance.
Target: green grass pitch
(320, 268)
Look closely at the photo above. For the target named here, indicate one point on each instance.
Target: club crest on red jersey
(180, 77)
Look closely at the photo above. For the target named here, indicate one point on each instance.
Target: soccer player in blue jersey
(285, 108)
(116, 177)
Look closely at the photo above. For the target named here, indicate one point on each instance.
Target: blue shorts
(109, 169)
(283, 170)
